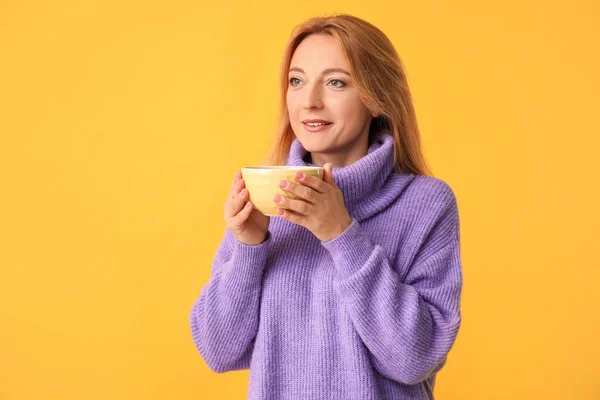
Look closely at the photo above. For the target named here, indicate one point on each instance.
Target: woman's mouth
(316, 126)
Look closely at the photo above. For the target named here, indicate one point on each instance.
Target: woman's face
(320, 88)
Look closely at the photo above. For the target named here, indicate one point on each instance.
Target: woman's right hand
(247, 224)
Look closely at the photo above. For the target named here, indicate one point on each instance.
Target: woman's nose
(312, 97)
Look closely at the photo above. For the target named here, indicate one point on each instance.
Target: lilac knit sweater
(370, 314)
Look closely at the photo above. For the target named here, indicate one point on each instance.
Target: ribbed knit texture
(370, 314)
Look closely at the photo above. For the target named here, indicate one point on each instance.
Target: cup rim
(280, 168)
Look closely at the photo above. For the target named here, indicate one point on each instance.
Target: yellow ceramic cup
(263, 183)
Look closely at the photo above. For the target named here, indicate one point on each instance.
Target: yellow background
(122, 124)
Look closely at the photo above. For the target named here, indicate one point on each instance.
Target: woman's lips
(317, 128)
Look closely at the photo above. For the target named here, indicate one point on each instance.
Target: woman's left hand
(320, 208)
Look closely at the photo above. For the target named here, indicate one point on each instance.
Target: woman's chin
(313, 147)
(312, 142)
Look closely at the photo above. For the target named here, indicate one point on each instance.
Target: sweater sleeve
(224, 319)
(408, 325)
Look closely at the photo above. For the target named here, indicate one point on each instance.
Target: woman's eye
(339, 85)
(293, 80)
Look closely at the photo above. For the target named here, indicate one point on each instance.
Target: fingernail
(299, 175)
(277, 198)
(243, 192)
(283, 184)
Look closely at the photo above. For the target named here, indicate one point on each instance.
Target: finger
(297, 205)
(235, 204)
(235, 180)
(234, 183)
(312, 182)
(237, 185)
(327, 175)
(305, 192)
(292, 217)
(241, 217)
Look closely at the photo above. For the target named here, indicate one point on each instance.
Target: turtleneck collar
(369, 184)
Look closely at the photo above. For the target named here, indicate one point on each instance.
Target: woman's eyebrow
(328, 70)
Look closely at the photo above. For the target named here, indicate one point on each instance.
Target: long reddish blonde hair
(380, 78)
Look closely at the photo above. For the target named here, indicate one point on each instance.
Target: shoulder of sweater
(426, 200)
(429, 189)
(433, 208)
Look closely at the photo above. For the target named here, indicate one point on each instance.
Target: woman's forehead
(317, 53)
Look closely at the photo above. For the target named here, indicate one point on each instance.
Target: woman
(355, 292)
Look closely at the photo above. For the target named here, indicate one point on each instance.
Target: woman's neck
(342, 158)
